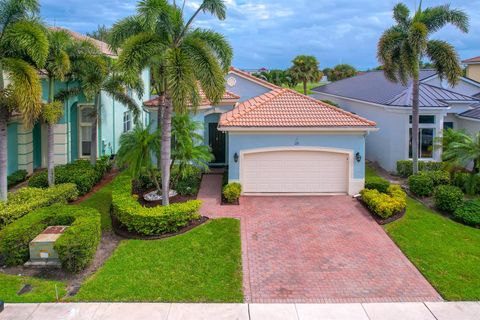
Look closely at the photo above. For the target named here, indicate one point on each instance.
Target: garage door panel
(295, 172)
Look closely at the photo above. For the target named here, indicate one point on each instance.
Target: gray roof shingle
(374, 87)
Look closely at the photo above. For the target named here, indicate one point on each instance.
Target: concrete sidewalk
(175, 311)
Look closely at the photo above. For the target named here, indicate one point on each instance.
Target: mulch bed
(120, 230)
(150, 204)
(107, 178)
(380, 220)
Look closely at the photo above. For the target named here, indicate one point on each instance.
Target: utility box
(42, 253)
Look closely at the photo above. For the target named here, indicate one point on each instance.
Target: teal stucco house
(27, 147)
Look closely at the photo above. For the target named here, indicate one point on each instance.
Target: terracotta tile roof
(102, 46)
(287, 108)
(472, 60)
(228, 97)
(253, 78)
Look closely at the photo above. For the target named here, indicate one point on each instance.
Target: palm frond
(401, 14)
(28, 39)
(138, 51)
(437, 17)
(445, 59)
(12, 11)
(217, 43)
(124, 29)
(65, 94)
(25, 88)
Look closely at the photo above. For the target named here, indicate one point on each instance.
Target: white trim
(408, 109)
(297, 129)
(252, 79)
(81, 124)
(352, 183)
(467, 118)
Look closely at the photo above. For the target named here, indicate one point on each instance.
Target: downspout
(99, 124)
(69, 152)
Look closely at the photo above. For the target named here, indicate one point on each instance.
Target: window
(127, 121)
(425, 119)
(425, 142)
(447, 125)
(85, 130)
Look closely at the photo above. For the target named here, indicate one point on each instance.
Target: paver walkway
(167, 311)
(316, 250)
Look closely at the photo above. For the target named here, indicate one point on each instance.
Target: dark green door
(216, 140)
(37, 145)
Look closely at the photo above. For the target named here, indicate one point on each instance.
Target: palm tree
(187, 144)
(461, 149)
(135, 152)
(403, 46)
(23, 47)
(96, 74)
(56, 69)
(305, 69)
(181, 57)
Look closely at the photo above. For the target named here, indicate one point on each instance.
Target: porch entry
(217, 140)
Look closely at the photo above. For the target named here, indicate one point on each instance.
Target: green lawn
(203, 265)
(43, 290)
(310, 86)
(446, 252)
(370, 172)
(102, 200)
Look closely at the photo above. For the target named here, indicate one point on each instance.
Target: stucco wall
(247, 141)
(473, 72)
(471, 126)
(244, 88)
(390, 143)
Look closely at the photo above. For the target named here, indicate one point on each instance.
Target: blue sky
(269, 33)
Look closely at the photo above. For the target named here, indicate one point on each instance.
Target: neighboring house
(27, 147)
(389, 104)
(473, 68)
(277, 141)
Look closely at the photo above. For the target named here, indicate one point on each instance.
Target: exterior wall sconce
(235, 157)
(358, 157)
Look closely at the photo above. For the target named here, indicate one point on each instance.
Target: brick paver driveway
(318, 249)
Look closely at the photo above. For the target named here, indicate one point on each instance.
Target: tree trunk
(166, 151)
(415, 121)
(3, 154)
(159, 125)
(305, 87)
(3, 144)
(93, 145)
(50, 138)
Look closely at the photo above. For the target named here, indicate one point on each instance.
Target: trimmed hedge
(387, 204)
(448, 198)
(17, 177)
(377, 183)
(421, 185)
(80, 172)
(231, 192)
(469, 213)
(28, 199)
(76, 247)
(405, 167)
(149, 221)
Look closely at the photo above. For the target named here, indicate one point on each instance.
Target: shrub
(448, 198)
(76, 247)
(149, 221)
(187, 184)
(405, 167)
(231, 192)
(468, 182)
(421, 184)
(17, 177)
(28, 199)
(469, 213)
(80, 172)
(377, 183)
(439, 177)
(387, 204)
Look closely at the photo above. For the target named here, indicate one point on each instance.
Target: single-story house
(278, 141)
(27, 147)
(389, 104)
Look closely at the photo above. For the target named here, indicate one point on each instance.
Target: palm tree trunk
(93, 145)
(50, 138)
(3, 144)
(159, 125)
(415, 120)
(3, 154)
(166, 151)
(305, 87)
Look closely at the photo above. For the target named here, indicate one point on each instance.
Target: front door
(217, 142)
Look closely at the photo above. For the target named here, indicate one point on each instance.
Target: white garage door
(295, 171)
